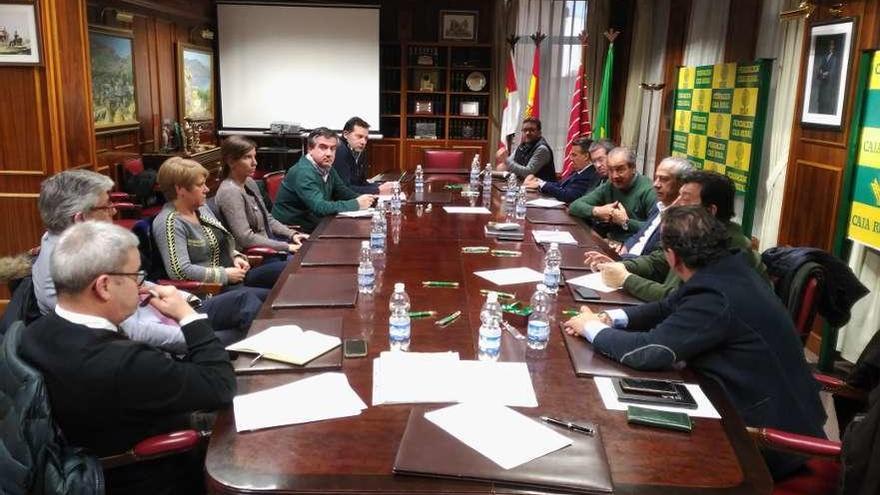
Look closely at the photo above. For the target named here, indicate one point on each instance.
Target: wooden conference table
(356, 455)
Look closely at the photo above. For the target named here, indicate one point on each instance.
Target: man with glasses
(109, 392)
(76, 196)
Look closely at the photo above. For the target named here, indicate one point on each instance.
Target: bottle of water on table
(521, 203)
(399, 322)
(420, 178)
(489, 344)
(377, 232)
(366, 272)
(395, 199)
(539, 320)
(552, 262)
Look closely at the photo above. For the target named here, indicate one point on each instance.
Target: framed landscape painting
(195, 82)
(114, 103)
(19, 34)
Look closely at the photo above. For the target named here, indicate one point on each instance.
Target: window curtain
(782, 41)
(707, 30)
(865, 322)
(561, 21)
(646, 66)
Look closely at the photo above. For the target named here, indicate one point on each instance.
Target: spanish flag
(533, 102)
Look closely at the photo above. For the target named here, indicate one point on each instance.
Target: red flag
(533, 102)
(510, 110)
(578, 118)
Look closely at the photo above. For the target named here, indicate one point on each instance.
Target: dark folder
(347, 228)
(333, 252)
(428, 450)
(618, 298)
(555, 216)
(332, 360)
(587, 362)
(304, 289)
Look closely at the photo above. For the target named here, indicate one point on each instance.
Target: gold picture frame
(195, 82)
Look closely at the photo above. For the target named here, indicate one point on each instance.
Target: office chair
(273, 183)
(256, 254)
(444, 159)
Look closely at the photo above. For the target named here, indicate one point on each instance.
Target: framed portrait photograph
(19, 34)
(114, 102)
(469, 108)
(458, 25)
(195, 82)
(828, 66)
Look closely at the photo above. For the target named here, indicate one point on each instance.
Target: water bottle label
(377, 241)
(399, 329)
(366, 279)
(551, 279)
(490, 345)
(539, 330)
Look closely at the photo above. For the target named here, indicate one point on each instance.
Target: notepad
(511, 276)
(557, 236)
(288, 344)
(357, 213)
(545, 203)
(593, 281)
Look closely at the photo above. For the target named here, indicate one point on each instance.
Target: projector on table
(281, 127)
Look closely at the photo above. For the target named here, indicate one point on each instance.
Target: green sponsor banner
(864, 218)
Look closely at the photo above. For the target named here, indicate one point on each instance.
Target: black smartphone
(646, 386)
(353, 348)
(587, 294)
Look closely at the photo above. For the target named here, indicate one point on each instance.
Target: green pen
(501, 295)
(402, 176)
(571, 312)
(475, 249)
(446, 320)
(440, 283)
(506, 253)
(422, 314)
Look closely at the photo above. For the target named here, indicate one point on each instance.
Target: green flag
(601, 124)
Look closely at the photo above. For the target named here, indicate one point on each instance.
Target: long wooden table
(356, 455)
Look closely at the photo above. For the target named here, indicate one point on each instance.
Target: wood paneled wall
(818, 157)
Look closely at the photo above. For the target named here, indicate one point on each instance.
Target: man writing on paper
(109, 392)
(618, 208)
(312, 189)
(584, 175)
(532, 157)
(725, 323)
(648, 277)
(351, 162)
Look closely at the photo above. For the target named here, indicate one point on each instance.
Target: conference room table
(357, 454)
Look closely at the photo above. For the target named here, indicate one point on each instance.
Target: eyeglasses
(139, 275)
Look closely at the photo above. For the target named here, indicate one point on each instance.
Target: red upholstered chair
(273, 183)
(444, 159)
(819, 475)
(155, 447)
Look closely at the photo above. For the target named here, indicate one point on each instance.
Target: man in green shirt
(619, 207)
(312, 189)
(648, 277)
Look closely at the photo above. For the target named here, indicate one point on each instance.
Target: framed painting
(458, 25)
(195, 82)
(114, 102)
(828, 67)
(19, 34)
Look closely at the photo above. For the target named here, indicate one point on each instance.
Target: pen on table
(402, 176)
(150, 294)
(439, 283)
(475, 249)
(501, 295)
(448, 319)
(422, 314)
(570, 312)
(254, 360)
(506, 253)
(586, 430)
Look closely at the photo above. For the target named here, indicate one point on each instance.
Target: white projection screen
(316, 66)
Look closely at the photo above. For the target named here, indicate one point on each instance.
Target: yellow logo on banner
(875, 188)
(713, 166)
(719, 125)
(745, 101)
(869, 148)
(739, 154)
(701, 100)
(875, 72)
(864, 225)
(686, 78)
(679, 154)
(723, 76)
(697, 146)
(682, 121)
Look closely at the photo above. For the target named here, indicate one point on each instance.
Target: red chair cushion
(134, 166)
(446, 159)
(807, 308)
(168, 443)
(819, 477)
(273, 183)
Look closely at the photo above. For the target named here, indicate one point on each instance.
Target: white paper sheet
(503, 435)
(414, 377)
(557, 236)
(591, 280)
(511, 276)
(704, 409)
(504, 383)
(473, 210)
(545, 203)
(357, 214)
(324, 396)
(288, 343)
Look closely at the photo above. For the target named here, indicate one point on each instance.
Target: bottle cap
(365, 244)
(554, 245)
(492, 296)
(398, 287)
(541, 287)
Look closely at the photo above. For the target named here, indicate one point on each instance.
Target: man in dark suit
(584, 176)
(725, 323)
(108, 392)
(351, 163)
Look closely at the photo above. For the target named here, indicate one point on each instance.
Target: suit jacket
(652, 241)
(353, 171)
(728, 325)
(574, 186)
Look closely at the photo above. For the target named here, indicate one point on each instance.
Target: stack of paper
(357, 214)
(287, 343)
(511, 276)
(545, 203)
(592, 281)
(412, 377)
(704, 409)
(557, 236)
(316, 398)
(473, 210)
(503, 435)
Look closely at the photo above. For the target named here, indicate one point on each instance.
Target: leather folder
(587, 362)
(305, 289)
(549, 215)
(333, 252)
(346, 228)
(618, 298)
(573, 258)
(428, 450)
(437, 197)
(330, 361)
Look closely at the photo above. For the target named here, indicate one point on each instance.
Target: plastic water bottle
(366, 272)
(521, 203)
(395, 199)
(398, 322)
(552, 261)
(512, 188)
(489, 345)
(475, 173)
(487, 178)
(539, 320)
(420, 178)
(377, 232)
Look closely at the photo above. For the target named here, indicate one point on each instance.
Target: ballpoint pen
(475, 249)
(570, 312)
(586, 430)
(512, 330)
(254, 360)
(422, 314)
(506, 253)
(402, 176)
(501, 295)
(440, 283)
(446, 320)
